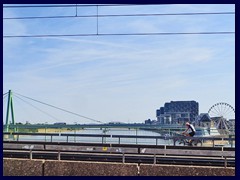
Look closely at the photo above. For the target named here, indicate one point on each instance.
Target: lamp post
(45, 131)
(75, 123)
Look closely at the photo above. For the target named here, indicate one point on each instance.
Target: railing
(224, 156)
(113, 139)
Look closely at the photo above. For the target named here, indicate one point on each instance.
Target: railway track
(125, 153)
(119, 157)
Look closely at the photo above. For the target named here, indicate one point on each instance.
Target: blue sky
(117, 78)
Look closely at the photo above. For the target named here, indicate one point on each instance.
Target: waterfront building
(204, 120)
(177, 112)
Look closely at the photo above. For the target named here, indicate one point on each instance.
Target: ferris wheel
(223, 116)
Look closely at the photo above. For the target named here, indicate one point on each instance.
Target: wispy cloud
(121, 78)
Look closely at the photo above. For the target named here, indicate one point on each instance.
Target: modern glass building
(177, 112)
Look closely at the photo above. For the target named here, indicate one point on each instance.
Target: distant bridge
(12, 125)
(83, 126)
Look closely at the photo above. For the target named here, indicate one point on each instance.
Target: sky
(123, 78)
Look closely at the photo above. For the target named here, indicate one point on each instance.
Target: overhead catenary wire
(97, 16)
(78, 5)
(117, 34)
(121, 15)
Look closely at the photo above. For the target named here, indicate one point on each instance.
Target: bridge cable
(4, 96)
(60, 109)
(5, 93)
(36, 107)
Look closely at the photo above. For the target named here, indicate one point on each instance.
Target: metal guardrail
(118, 137)
(30, 149)
(142, 146)
(124, 158)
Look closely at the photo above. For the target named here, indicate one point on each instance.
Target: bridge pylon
(9, 108)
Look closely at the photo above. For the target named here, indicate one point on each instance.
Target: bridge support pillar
(9, 108)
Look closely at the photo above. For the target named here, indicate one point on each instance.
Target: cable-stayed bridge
(12, 123)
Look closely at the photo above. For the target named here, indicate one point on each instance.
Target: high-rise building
(177, 112)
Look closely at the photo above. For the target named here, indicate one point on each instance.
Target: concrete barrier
(78, 168)
(176, 170)
(27, 167)
(22, 167)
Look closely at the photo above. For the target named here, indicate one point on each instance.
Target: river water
(81, 139)
(110, 140)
